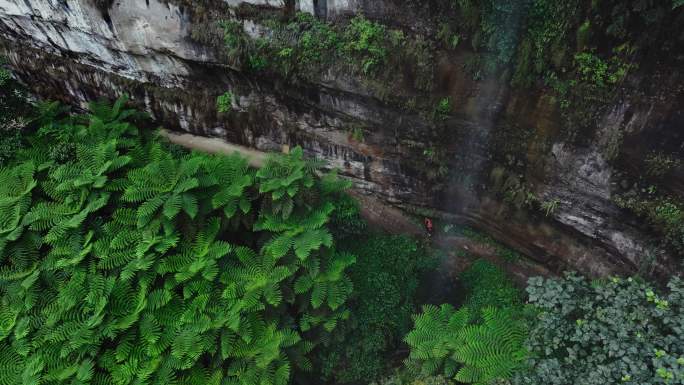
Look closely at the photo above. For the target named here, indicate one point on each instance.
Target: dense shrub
(617, 331)
(385, 277)
(128, 263)
(487, 285)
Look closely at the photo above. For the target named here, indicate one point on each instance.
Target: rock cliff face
(79, 50)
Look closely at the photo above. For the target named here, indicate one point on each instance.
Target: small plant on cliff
(549, 207)
(356, 134)
(613, 331)
(447, 36)
(664, 213)
(443, 109)
(370, 42)
(224, 103)
(236, 40)
(599, 72)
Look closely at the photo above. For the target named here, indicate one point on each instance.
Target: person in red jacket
(428, 226)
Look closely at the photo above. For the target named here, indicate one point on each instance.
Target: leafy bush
(616, 331)
(316, 39)
(545, 43)
(664, 213)
(443, 109)
(224, 103)
(385, 278)
(236, 41)
(128, 264)
(369, 41)
(346, 222)
(600, 72)
(487, 285)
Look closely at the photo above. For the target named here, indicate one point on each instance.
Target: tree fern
(16, 185)
(445, 342)
(126, 263)
(163, 188)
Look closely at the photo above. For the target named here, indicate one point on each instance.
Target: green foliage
(501, 23)
(659, 164)
(368, 41)
(314, 44)
(599, 72)
(444, 342)
(236, 40)
(305, 45)
(131, 263)
(356, 134)
(583, 35)
(544, 46)
(487, 285)
(10, 143)
(15, 114)
(447, 36)
(616, 331)
(346, 221)
(665, 214)
(677, 3)
(385, 278)
(583, 50)
(479, 343)
(513, 188)
(224, 103)
(443, 109)
(550, 206)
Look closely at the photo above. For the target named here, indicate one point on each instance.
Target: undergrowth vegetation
(386, 277)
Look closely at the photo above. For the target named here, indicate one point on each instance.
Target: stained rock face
(82, 50)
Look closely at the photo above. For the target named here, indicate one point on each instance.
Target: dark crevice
(104, 6)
